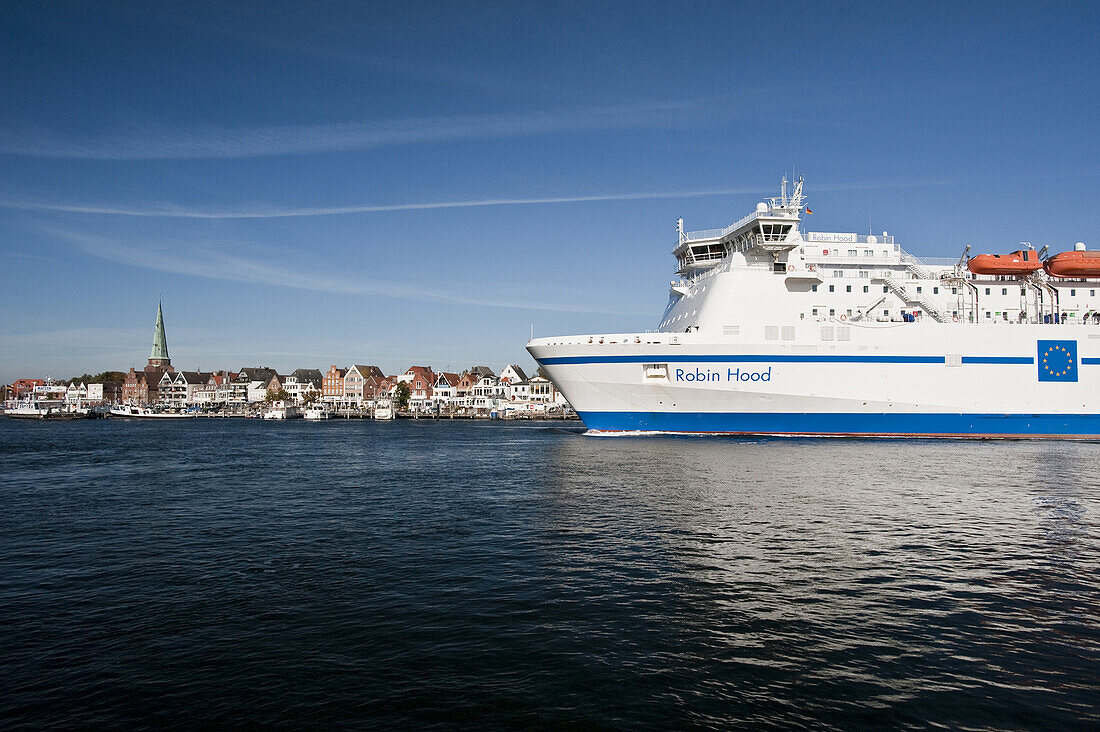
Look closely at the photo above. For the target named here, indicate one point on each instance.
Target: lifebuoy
(843, 317)
(955, 318)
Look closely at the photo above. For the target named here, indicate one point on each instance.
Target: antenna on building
(680, 229)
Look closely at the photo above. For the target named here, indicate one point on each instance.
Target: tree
(101, 378)
(310, 396)
(401, 392)
(277, 395)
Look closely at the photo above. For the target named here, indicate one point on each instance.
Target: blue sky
(398, 183)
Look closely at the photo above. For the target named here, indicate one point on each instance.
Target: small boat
(318, 411)
(132, 411)
(1018, 264)
(1077, 263)
(45, 409)
(283, 410)
(384, 410)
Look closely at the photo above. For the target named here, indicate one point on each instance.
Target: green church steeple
(159, 355)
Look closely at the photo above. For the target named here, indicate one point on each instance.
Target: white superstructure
(772, 330)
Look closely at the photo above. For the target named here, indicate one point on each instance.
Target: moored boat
(283, 410)
(318, 411)
(133, 411)
(45, 409)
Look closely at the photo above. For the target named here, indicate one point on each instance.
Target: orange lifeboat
(1073, 264)
(1020, 263)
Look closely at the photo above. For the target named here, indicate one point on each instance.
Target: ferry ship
(770, 330)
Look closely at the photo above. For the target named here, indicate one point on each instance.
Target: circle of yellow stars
(1050, 369)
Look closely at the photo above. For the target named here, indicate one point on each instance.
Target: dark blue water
(227, 573)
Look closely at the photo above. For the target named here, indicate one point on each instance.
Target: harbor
(358, 391)
(608, 366)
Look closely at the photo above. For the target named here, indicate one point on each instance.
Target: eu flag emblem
(1057, 360)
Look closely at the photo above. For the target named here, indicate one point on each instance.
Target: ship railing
(719, 233)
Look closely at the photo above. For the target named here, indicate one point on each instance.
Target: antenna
(962, 259)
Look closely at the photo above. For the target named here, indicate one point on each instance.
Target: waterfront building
(76, 393)
(486, 395)
(217, 389)
(303, 382)
(256, 391)
(512, 373)
(445, 389)
(275, 383)
(22, 387)
(464, 389)
(107, 392)
(420, 380)
(361, 382)
(542, 390)
(179, 389)
(250, 384)
(332, 386)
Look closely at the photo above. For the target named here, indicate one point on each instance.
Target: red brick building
(420, 379)
(332, 385)
(19, 387)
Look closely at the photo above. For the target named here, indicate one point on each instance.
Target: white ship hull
(907, 379)
(770, 332)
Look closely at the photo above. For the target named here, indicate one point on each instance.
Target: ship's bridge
(771, 229)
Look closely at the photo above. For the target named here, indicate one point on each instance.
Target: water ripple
(428, 574)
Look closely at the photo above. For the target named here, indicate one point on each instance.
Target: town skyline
(432, 183)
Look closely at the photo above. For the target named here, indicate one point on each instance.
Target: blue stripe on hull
(853, 423)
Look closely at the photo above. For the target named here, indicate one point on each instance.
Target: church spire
(159, 355)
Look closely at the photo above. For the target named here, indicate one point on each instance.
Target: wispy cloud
(213, 261)
(275, 212)
(262, 211)
(154, 142)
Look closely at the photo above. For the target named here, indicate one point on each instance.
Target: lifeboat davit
(1073, 264)
(1020, 263)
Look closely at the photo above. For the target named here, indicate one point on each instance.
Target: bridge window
(775, 232)
(851, 252)
(838, 273)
